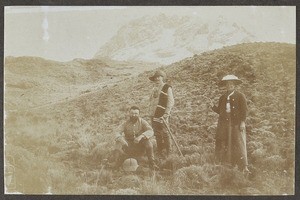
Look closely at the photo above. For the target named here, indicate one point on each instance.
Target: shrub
(232, 179)
(128, 181)
(192, 177)
(274, 162)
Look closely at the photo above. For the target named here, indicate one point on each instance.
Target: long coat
(230, 146)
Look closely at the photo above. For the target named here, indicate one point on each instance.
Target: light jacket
(161, 101)
(130, 130)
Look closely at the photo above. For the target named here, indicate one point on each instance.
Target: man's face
(230, 85)
(157, 79)
(134, 114)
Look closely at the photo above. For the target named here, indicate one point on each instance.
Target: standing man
(231, 131)
(161, 103)
(133, 139)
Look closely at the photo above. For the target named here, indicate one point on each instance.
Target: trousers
(135, 150)
(162, 136)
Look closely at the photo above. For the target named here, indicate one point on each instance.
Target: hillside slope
(79, 133)
(32, 82)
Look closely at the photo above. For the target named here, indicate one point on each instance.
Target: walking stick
(165, 123)
(229, 144)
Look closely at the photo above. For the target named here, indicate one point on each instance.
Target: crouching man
(133, 138)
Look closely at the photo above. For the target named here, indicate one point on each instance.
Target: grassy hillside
(65, 143)
(32, 82)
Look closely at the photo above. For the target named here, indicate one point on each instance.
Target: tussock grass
(69, 140)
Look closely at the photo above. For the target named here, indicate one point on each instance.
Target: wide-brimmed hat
(232, 78)
(157, 74)
(130, 165)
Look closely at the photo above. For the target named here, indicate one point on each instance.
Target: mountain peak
(167, 39)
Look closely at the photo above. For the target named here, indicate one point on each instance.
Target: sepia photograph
(149, 100)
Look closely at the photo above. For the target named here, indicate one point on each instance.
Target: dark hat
(157, 74)
(232, 78)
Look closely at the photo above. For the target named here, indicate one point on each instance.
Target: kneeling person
(133, 138)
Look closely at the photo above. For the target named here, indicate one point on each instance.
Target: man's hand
(242, 126)
(165, 116)
(138, 139)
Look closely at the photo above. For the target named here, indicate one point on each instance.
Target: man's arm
(170, 102)
(151, 103)
(120, 132)
(120, 135)
(216, 109)
(148, 131)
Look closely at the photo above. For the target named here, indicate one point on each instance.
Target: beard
(134, 119)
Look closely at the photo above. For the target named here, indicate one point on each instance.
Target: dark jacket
(238, 106)
(162, 102)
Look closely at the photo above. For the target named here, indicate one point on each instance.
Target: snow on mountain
(167, 39)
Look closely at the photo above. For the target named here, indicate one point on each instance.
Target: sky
(63, 33)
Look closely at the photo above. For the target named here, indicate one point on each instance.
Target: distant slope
(167, 39)
(74, 128)
(33, 81)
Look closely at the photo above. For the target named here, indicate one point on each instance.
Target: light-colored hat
(130, 165)
(232, 78)
(157, 74)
